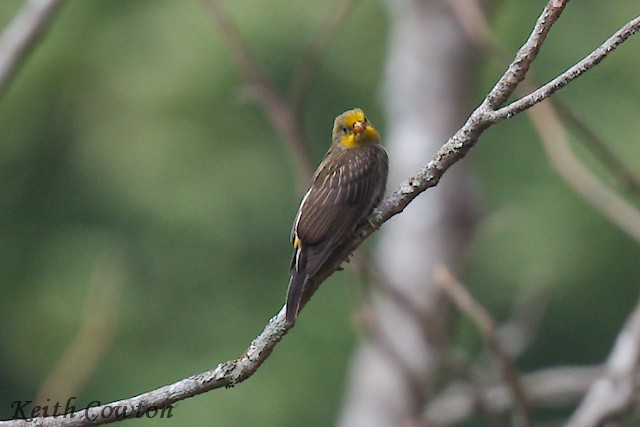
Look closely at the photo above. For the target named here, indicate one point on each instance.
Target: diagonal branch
(226, 374)
(554, 387)
(234, 371)
(21, 36)
(518, 68)
(304, 73)
(556, 142)
(278, 112)
(591, 60)
(625, 177)
(584, 182)
(614, 392)
(487, 326)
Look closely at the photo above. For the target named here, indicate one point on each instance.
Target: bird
(348, 183)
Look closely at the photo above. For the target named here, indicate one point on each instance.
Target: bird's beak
(359, 127)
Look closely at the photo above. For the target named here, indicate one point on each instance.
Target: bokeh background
(140, 185)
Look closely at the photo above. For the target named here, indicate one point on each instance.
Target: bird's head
(351, 129)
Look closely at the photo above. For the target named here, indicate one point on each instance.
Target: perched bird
(349, 182)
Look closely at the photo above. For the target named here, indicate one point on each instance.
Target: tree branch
(487, 326)
(549, 387)
(234, 371)
(19, 38)
(585, 183)
(226, 374)
(614, 392)
(282, 117)
(305, 71)
(626, 178)
(518, 68)
(554, 136)
(572, 73)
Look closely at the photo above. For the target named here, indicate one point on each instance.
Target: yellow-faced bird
(349, 182)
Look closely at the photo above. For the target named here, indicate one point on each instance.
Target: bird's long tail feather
(296, 284)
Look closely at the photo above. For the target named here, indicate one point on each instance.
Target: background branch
(614, 392)
(626, 178)
(584, 182)
(305, 71)
(553, 135)
(284, 120)
(594, 58)
(487, 326)
(20, 37)
(549, 387)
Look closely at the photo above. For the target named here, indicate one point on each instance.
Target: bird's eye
(344, 129)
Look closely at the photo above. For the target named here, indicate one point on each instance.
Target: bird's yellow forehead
(352, 116)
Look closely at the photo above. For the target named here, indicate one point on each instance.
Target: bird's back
(344, 189)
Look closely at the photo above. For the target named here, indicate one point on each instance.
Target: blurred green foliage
(128, 134)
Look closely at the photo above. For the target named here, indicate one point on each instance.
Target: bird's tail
(296, 284)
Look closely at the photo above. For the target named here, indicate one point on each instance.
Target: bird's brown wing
(341, 196)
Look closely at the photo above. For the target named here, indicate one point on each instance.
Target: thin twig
(519, 332)
(469, 383)
(487, 326)
(627, 179)
(234, 371)
(556, 387)
(412, 380)
(282, 117)
(614, 392)
(367, 268)
(470, 15)
(19, 38)
(572, 73)
(526, 55)
(584, 182)
(577, 175)
(307, 66)
(476, 26)
(552, 133)
(450, 359)
(418, 392)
